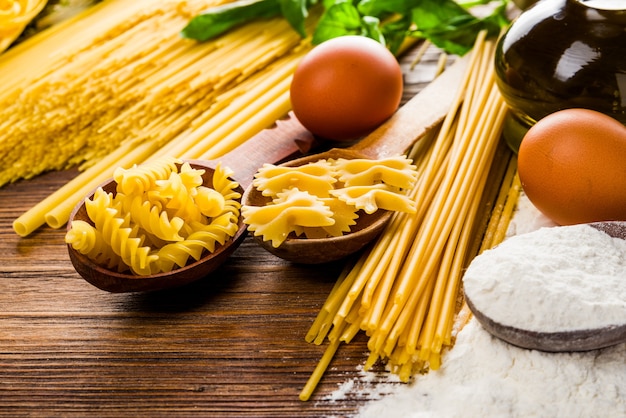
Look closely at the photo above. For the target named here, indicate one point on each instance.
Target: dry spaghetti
(404, 292)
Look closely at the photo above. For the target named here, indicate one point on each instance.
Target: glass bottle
(562, 54)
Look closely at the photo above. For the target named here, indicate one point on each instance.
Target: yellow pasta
(394, 171)
(297, 192)
(87, 240)
(14, 16)
(344, 216)
(315, 178)
(138, 179)
(292, 209)
(137, 91)
(374, 197)
(142, 229)
(404, 292)
(210, 202)
(116, 230)
(152, 218)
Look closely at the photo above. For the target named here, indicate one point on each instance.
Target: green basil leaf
(395, 32)
(342, 18)
(220, 19)
(371, 26)
(296, 12)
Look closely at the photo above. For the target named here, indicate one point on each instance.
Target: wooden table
(230, 345)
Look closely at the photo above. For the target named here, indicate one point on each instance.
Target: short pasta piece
(395, 171)
(168, 218)
(316, 178)
(344, 215)
(117, 232)
(342, 187)
(152, 218)
(140, 178)
(374, 197)
(292, 210)
(86, 239)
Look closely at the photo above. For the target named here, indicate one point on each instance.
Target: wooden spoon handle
(272, 145)
(417, 116)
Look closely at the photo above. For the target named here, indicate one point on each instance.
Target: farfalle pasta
(159, 218)
(374, 197)
(316, 178)
(394, 171)
(324, 198)
(292, 209)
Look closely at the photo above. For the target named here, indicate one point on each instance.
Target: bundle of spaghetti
(14, 16)
(239, 105)
(137, 80)
(404, 291)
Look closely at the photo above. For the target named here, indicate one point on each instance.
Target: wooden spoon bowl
(286, 139)
(113, 281)
(563, 341)
(322, 250)
(415, 119)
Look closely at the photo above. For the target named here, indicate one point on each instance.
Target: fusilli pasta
(167, 217)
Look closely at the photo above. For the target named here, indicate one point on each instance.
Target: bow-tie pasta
(331, 194)
(316, 178)
(291, 210)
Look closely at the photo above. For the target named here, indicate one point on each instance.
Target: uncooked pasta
(159, 217)
(404, 291)
(324, 198)
(136, 90)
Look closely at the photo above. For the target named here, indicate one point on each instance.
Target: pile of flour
(482, 376)
(552, 280)
(485, 377)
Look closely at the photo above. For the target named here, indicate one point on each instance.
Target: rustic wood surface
(229, 345)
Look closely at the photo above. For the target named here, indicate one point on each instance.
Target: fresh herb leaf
(340, 19)
(220, 19)
(446, 23)
(296, 12)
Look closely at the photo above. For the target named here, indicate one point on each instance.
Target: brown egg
(572, 166)
(345, 87)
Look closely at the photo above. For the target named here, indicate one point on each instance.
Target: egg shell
(572, 167)
(345, 87)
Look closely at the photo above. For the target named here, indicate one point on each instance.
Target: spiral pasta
(124, 239)
(140, 178)
(205, 236)
(168, 218)
(152, 218)
(87, 240)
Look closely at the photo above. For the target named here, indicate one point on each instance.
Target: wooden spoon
(276, 144)
(566, 341)
(410, 123)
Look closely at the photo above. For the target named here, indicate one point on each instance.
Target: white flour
(552, 280)
(482, 376)
(485, 377)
